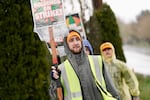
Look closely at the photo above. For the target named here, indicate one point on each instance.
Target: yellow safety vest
(71, 84)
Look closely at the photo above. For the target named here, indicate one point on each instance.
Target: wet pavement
(138, 59)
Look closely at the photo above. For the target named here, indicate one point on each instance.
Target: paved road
(138, 59)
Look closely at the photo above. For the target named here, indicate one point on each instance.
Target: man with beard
(83, 77)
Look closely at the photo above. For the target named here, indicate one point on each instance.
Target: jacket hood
(81, 65)
(71, 55)
(108, 45)
(87, 44)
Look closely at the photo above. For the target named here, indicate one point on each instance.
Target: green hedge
(24, 60)
(103, 27)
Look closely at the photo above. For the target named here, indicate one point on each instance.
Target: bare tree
(97, 4)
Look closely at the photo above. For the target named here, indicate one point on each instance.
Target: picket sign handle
(55, 60)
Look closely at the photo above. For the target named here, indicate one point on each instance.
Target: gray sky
(127, 10)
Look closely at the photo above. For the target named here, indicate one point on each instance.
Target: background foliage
(103, 28)
(137, 32)
(144, 86)
(24, 59)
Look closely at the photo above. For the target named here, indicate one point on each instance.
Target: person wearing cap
(83, 76)
(87, 47)
(124, 78)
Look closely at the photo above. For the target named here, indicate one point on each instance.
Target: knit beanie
(71, 34)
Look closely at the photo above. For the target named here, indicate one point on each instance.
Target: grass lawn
(144, 84)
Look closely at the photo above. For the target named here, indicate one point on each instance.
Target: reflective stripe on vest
(71, 84)
(100, 80)
(96, 61)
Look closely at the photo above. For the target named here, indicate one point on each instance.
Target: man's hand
(55, 74)
(135, 98)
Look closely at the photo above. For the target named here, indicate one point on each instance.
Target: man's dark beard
(76, 52)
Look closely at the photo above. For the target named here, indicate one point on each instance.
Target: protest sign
(74, 21)
(47, 12)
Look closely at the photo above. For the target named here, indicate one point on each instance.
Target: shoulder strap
(97, 61)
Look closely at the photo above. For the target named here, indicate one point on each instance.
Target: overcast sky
(127, 10)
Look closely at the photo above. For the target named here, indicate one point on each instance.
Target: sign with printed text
(47, 12)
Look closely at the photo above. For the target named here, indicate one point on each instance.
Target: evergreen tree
(103, 27)
(24, 65)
